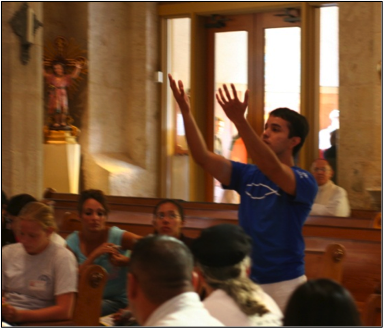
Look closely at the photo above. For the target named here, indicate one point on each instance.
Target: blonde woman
(39, 277)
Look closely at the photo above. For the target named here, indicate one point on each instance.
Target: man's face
(168, 220)
(321, 171)
(276, 134)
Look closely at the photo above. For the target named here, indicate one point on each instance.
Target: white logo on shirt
(302, 174)
(271, 191)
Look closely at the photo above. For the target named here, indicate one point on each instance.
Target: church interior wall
(118, 102)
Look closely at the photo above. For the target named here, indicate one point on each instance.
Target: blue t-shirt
(115, 287)
(274, 220)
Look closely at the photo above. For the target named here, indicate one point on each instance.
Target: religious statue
(64, 66)
(58, 82)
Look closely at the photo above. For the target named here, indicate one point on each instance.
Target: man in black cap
(222, 255)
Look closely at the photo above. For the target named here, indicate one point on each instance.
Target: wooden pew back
(362, 241)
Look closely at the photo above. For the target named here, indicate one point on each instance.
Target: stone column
(359, 156)
(119, 142)
(22, 109)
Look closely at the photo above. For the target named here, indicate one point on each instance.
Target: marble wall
(22, 108)
(360, 142)
(118, 103)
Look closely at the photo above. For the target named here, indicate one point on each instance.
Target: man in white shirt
(160, 289)
(331, 200)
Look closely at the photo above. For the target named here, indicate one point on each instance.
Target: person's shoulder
(57, 238)
(302, 173)
(11, 248)
(339, 189)
(73, 237)
(60, 252)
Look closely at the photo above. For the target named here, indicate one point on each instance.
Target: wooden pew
(88, 300)
(362, 241)
(371, 315)
(326, 263)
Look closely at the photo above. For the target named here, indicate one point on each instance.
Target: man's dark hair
(17, 202)
(178, 205)
(321, 302)
(97, 195)
(163, 267)
(297, 124)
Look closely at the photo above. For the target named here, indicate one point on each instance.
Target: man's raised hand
(179, 93)
(232, 106)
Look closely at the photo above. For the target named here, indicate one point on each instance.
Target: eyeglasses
(171, 215)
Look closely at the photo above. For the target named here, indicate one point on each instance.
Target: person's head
(222, 256)
(322, 171)
(15, 204)
(321, 302)
(93, 210)
(160, 268)
(58, 68)
(168, 218)
(36, 223)
(289, 128)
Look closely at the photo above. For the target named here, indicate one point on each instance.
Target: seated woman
(104, 246)
(321, 302)
(168, 219)
(15, 204)
(39, 277)
(222, 256)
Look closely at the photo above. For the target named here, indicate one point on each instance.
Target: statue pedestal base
(62, 167)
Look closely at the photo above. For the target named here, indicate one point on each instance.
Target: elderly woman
(106, 246)
(223, 263)
(39, 277)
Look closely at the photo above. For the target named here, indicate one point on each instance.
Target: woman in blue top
(105, 246)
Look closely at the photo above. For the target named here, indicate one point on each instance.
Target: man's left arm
(262, 155)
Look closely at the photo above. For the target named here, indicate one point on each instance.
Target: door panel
(237, 54)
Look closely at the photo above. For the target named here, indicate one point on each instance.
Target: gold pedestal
(65, 136)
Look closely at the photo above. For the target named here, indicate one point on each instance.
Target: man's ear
(197, 279)
(132, 287)
(248, 271)
(295, 141)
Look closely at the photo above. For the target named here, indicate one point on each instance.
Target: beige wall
(22, 109)
(117, 105)
(360, 148)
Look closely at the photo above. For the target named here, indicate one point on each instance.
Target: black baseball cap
(222, 245)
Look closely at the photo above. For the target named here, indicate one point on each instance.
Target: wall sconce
(24, 24)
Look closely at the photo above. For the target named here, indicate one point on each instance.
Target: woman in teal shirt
(98, 244)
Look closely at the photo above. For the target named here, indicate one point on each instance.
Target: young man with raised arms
(276, 196)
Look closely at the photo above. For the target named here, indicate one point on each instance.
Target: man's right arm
(216, 165)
